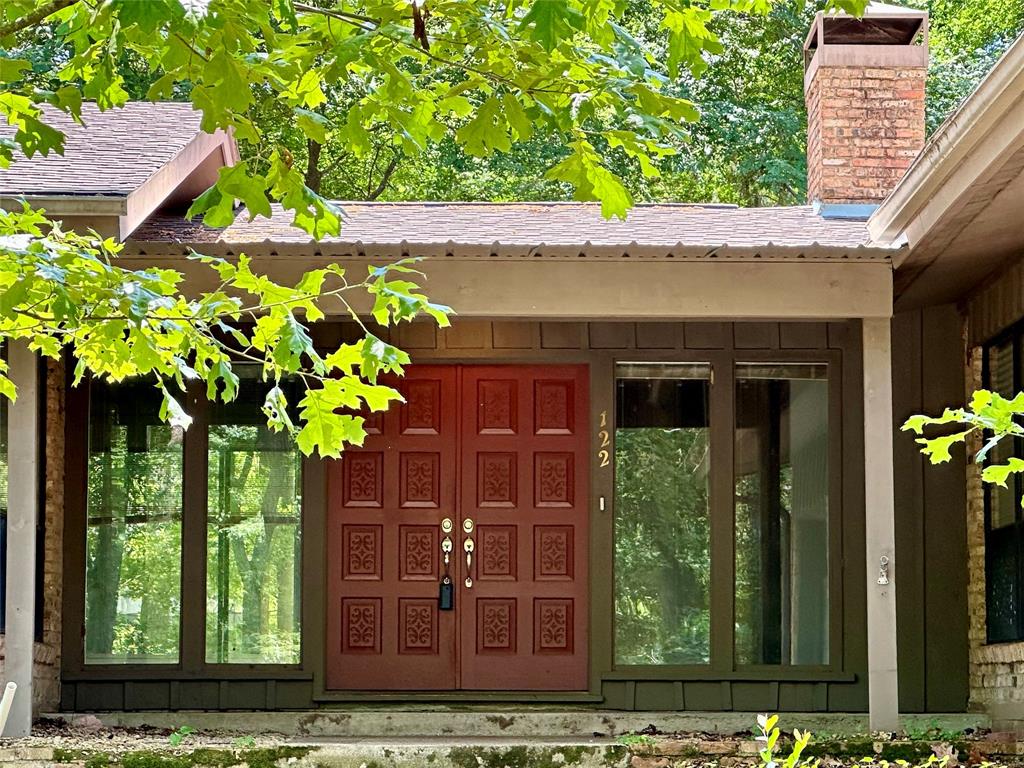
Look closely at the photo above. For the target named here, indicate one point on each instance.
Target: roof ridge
(588, 203)
(566, 203)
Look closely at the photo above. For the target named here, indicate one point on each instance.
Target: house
(658, 458)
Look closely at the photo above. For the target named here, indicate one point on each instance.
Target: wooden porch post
(880, 526)
(22, 512)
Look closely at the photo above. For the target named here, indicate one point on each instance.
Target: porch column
(880, 526)
(22, 512)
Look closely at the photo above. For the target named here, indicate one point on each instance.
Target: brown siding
(997, 305)
(931, 535)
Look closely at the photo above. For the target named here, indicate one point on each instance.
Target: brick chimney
(864, 88)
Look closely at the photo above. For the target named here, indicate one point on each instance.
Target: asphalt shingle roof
(527, 227)
(113, 153)
(116, 151)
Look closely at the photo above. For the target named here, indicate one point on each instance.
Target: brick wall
(996, 671)
(46, 672)
(865, 126)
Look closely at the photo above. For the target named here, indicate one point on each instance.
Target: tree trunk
(385, 179)
(314, 176)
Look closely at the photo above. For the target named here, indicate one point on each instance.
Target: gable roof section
(529, 229)
(121, 162)
(113, 153)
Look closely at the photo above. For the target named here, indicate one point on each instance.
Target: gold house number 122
(604, 439)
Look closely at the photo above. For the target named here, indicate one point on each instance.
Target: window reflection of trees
(134, 531)
(253, 546)
(662, 531)
(133, 539)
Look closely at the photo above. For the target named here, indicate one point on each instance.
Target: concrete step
(504, 723)
(496, 754)
(469, 754)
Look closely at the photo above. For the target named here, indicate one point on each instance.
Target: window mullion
(723, 528)
(193, 549)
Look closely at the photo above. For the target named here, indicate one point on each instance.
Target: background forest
(748, 147)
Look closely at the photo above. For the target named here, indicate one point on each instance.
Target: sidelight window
(746, 493)
(253, 546)
(781, 507)
(133, 537)
(152, 490)
(662, 526)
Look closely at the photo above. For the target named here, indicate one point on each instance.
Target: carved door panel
(386, 501)
(524, 484)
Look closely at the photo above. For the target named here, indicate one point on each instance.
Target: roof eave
(70, 204)
(811, 252)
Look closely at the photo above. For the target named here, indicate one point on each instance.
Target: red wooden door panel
(524, 482)
(386, 501)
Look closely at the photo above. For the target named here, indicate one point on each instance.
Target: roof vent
(847, 211)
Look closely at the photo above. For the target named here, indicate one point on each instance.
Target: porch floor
(424, 725)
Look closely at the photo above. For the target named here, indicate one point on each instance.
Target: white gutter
(970, 127)
(69, 205)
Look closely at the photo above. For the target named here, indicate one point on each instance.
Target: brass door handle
(469, 546)
(446, 548)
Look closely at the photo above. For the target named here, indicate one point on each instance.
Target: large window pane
(1003, 585)
(662, 531)
(133, 539)
(253, 534)
(781, 461)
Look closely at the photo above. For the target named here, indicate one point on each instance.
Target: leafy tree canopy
(480, 77)
(988, 420)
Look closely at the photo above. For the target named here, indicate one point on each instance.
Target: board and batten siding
(931, 517)
(930, 520)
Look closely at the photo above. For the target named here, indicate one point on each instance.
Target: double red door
(493, 459)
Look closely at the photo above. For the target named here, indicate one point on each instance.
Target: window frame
(722, 510)
(1014, 335)
(191, 662)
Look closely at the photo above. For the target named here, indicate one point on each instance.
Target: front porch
(470, 737)
(683, 696)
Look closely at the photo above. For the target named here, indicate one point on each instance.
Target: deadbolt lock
(447, 525)
(468, 525)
